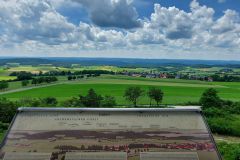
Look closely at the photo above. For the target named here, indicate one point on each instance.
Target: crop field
(5, 78)
(175, 91)
(37, 69)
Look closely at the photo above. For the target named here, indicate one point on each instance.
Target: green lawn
(176, 91)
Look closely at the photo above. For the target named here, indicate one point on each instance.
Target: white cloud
(228, 22)
(34, 20)
(35, 27)
(172, 22)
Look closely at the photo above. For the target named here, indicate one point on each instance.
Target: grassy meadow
(175, 91)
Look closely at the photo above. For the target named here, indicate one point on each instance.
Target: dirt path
(228, 139)
(28, 88)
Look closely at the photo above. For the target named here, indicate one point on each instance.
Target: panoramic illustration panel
(109, 136)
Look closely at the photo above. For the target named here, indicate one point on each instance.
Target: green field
(5, 78)
(175, 91)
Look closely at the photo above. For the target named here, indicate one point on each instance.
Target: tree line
(225, 78)
(131, 94)
(34, 81)
(75, 77)
(41, 80)
(23, 75)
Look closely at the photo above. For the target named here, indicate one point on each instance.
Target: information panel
(109, 135)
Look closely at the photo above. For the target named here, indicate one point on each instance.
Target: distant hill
(121, 62)
(26, 61)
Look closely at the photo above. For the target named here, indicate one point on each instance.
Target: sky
(169, 29)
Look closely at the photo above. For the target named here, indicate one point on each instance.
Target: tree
(109, 101)
(23, 75)
(80, 77)
(40, 73)
(3, 85)
(25, 83)
(74, 77)
(155, 94)
(132, 94)
(92, 99)
(35, 81)
(210, 98)
(70, 78)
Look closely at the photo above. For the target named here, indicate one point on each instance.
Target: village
(167, 75)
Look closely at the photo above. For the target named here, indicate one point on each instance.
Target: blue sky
(218, 5)
(178, 29)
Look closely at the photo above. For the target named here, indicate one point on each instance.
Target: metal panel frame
(211, 136)
(8, 131)
(38, 109)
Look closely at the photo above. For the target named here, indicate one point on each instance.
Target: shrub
(230, 151)
(109, 101)
(25, 82)
(3, 126)
(3, 85)
(221, 126)
(7, 110)
(234, 108)
(49, 102)
(215, 112)
(73, 102)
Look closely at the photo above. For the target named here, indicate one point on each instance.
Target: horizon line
(140, 58)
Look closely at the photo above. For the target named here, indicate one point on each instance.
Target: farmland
(176, 91)
(5, 78)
